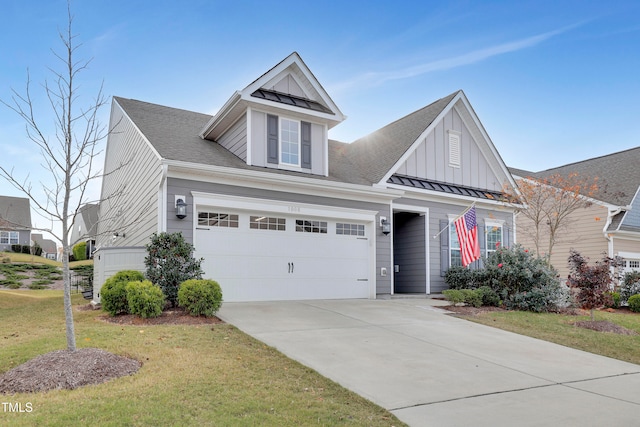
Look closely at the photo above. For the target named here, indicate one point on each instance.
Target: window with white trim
(309, 226)
(455, 255)
(634, 263)
(350, 229)
(493, 236)
(9, 237)
(267, 223)
(289, 142)
(217, 219)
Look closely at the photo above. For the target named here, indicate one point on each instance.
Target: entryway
(410, 249)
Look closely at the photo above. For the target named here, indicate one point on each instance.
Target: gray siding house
(15, 222)
(279, 211)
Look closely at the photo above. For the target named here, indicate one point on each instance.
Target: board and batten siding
(176, 186)
(430, 160)
(235, 139)
(584, 232)
(130, 186)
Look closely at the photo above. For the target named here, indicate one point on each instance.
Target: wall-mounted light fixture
(116, 234)
(385, 225)
(181, 207)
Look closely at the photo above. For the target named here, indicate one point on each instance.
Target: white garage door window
(268, 253)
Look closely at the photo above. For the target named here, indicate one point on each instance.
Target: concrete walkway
(432, 369)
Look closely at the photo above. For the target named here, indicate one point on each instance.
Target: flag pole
(455, 219)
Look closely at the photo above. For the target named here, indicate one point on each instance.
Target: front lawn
(560, 329)
(191, 375)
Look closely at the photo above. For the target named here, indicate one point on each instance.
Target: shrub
(113, 294)
(145, 299)
(169, 262)
(630, 285)
(489, 296)
(16, 248)
(472, 297)
(80, 251)
(455, 296)
(514, 270)
(200, 297)
(592, 281)
(538, 300)
(461, 278)
(26, 249)
(612, 299)
(634, 303)
(6, 260)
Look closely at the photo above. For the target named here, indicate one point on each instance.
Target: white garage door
(262, 256)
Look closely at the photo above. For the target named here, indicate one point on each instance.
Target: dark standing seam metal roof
(444, 187)
(296, 101)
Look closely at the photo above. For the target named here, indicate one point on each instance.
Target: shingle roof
(618, 175)
(377, 152)
(174, 133)
(15, 213)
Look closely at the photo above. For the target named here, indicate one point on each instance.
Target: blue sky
(553, 82)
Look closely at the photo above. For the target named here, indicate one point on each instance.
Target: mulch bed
(63, 369)
(176, 316)
(604, 326)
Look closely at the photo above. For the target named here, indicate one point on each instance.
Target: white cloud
(371, 79)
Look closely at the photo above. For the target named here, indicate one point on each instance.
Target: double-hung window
(9, 237)
(493, 234)
(289, 142)
(455, 256)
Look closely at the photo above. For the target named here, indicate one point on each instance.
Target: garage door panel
(256, 264)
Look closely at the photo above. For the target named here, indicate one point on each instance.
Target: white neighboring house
(279, 211)
(15, 222)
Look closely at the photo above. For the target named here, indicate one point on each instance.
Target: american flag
(467, 230)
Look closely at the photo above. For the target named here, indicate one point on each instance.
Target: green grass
(27, 258)
(209, 375)
(560, 329)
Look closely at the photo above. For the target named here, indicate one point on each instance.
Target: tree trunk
(68, 309)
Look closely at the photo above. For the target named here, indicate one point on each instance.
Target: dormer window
(289, 142)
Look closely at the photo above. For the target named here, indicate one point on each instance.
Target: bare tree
(68, 156)
(549, 203)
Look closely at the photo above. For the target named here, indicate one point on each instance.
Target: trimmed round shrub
(634, 303)
(455, 296)
(472, 297)
(113, 295)
(80, 251)
(489, 296)
(200, 297)
(145, 299)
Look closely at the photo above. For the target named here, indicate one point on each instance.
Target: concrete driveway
(431, 369)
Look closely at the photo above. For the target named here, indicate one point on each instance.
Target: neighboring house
(279, 211)
(611, 225)
(15, 222)
(84, 227)
(49, 247)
